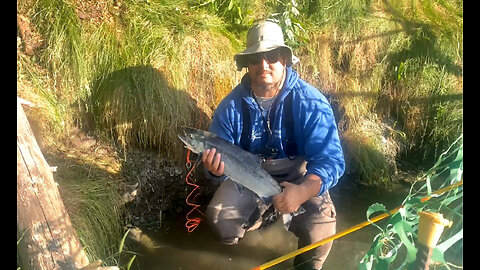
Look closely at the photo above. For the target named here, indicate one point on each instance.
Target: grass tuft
(132, 72)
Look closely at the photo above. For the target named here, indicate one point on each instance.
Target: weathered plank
(49, 240)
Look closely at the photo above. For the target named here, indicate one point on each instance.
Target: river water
(176, 249)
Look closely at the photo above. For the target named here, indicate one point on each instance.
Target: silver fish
(241, 166)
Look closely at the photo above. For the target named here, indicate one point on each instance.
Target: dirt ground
(152, 187)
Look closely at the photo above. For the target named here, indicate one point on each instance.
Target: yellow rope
(345, 232)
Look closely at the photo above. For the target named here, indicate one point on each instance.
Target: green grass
(175, 60)
(124, 84)
(132, 74)
(165, 77)
(400, 61)
(90, 190)
(95, 208)
(173, 74)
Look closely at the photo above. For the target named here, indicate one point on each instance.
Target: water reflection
(199, 250)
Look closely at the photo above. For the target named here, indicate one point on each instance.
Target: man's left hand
(294, 195)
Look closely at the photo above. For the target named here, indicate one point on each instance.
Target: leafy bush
(395, 246)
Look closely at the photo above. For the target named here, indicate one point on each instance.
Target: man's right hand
(213, 162)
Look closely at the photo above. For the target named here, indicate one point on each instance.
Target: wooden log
(49, 240)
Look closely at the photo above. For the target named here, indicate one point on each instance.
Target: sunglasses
(270, 56)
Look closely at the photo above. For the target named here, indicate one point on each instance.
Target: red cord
(192, 223)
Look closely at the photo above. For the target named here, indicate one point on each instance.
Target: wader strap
(288, 124)
(246, 127)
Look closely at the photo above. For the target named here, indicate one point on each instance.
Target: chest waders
(287, 124)
(233, 211)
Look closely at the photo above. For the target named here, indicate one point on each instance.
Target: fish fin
(300, 210)
(269, 216)
(287, 220)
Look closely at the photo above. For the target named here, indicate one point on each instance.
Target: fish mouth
(189, 136)
(184, 137)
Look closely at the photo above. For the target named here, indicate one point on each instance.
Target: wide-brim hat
(263, 37)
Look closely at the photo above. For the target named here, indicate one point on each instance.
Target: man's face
(266, 69)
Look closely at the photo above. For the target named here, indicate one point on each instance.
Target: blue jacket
(315, 128)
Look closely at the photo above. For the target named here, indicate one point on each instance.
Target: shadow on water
(178, 249)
